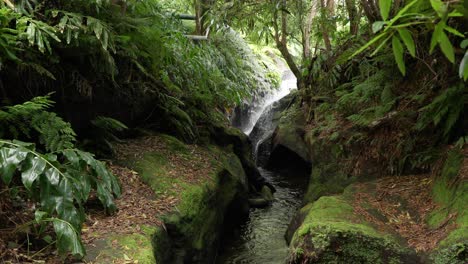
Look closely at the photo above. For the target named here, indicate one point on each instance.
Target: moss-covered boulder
(388, 220)
(331, 232)
(288, 145)
(218, 180)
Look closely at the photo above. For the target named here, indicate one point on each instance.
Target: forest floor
(138, 206)
(401, 205)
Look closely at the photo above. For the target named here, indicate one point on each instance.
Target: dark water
(260, 239)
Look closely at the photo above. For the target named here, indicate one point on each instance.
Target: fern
(445, 110)
(54, 133)
(22, 119)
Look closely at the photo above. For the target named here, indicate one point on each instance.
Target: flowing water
(260, 238)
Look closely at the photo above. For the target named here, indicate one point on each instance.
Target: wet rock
(242, 147)
(289, 148)
(262, 134)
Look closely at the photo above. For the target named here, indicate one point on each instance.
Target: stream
(261, 237)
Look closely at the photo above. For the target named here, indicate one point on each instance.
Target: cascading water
(253, 111)
(260, 239)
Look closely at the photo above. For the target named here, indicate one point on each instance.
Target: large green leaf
(398, 54)
(385, 6)
(436, 35)
(446, 47)
(68, 238)
(9, 160)
(35, 167)
(463, 70)
(405, 35)
(439, 7)
(63, 187)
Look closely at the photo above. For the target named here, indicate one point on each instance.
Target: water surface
(260, 239)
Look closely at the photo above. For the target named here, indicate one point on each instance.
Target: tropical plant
(61, 179)
(417, 17)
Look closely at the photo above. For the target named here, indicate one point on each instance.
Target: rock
(190, 233)
(123, 248)
(262, 199)
(262, 134)
(450, 191)
(288, 145)
(242, 147)
(331, 232)
(259, 202)
(267, 193)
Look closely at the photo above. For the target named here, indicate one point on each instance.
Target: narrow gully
(260, 238)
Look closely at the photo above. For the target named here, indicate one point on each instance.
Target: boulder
(242, 147)
(288, 145)
(331, 232)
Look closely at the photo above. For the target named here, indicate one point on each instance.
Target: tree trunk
(307, 31)
(353, 16)
(280, 36)
(371, 10)
(325, 35)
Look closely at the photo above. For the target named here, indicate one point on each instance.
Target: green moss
(334, 213)
(332, 233)
(453, 200)
(326, 180)
(126, 248)
(202, 204)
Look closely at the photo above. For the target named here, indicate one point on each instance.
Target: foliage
(139, 57)
(445, 110)
(22, 119)
(61, 182)
(416, 18)
(62, 179)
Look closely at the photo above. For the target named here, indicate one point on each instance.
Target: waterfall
(259, 113)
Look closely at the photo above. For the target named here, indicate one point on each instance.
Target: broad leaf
(398, 54)
(385, 6)
(446, 47)
(454, 31)
(36, 167)
(68, 239)
(463, 71)
(439, 7)
(408, 40)
(377, 26)
(436, 35)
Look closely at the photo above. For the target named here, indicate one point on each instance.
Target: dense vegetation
(90, 63)
(74, 75)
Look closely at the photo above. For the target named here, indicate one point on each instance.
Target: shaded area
(260, 237)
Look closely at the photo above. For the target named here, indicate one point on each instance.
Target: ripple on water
(260, 239)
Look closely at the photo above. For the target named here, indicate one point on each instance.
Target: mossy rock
(289, 137)
(332, 233)
(193, 228)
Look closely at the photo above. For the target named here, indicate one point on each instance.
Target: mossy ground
(124, 248)
(197, 182)
(406, 219)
